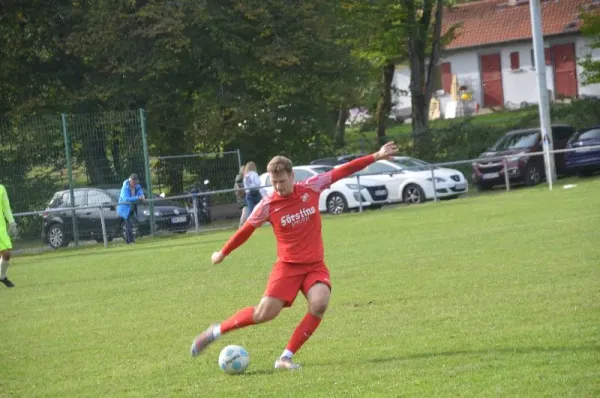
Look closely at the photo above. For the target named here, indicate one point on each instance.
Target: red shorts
(286, 280)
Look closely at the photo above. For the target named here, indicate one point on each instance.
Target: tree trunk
(436, 50)
(340, 129)
(421, 82)
(116, 155)
(420, 119)
(420, 115)
(175, 167)
(384, 106)
(95, 158)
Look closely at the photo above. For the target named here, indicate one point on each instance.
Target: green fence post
(147, 172)
(70, 176)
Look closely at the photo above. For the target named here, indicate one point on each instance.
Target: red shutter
(446, 76)
(514, 60)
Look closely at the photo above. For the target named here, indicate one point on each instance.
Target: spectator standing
(131, 193)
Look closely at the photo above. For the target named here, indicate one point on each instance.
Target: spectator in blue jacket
(131, 193)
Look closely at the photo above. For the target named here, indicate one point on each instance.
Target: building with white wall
(492, 52)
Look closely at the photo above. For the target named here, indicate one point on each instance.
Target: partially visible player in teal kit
(6, 218)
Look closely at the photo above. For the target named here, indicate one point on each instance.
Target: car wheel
(413, 194)
(336, 203)
(533, 175)
(56, 236)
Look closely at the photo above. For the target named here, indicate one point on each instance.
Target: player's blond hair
(280, 164)
(250, 166)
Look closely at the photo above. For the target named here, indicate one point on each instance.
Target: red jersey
(295, 218)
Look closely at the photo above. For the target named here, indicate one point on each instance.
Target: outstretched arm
(323, 181)
(238, 238)
(259, 215)
(355, 165)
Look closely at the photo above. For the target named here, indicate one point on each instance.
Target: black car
(334, 161)
(520, 166)
(58, 226)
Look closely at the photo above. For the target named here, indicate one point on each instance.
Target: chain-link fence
(196, 174)
(64, 175)
(52, 163)
(32, 167)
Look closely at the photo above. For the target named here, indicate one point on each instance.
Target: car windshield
(526, 139)
(410, 163)
(115, 193)
(587, 135)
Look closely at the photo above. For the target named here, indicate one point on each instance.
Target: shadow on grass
(95, 250)
(259, 372)
(428, 355)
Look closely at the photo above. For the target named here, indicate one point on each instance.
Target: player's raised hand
(217, 257)
(387, 150)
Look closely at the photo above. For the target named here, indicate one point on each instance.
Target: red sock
(303, 331)
(241, 319)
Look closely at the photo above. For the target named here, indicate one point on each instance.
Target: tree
(375, 31)
(423, 21)
(263, 76)
(591, 29)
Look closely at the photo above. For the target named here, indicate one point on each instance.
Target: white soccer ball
(234, 359)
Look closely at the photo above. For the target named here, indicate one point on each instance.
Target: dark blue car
(584, 161)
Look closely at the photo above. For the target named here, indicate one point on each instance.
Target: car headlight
(437, 179)
(354, 187)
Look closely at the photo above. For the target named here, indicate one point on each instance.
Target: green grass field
(495, 295)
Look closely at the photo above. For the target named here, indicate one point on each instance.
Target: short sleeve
(318, 183)
(260, 214)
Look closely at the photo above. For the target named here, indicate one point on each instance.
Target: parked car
(58, 226)
(335, 160)
(521, 167)
(343, 195)
(584, 161)
(409, 180)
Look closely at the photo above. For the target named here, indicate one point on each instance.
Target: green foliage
(262, 76)
(374, 30)
(591, 29)
(466, 138)
(32, 160)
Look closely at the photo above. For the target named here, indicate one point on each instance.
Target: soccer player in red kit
(293, 211)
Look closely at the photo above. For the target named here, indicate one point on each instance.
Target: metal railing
(192, 213)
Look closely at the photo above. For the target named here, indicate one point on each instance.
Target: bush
(468, 138)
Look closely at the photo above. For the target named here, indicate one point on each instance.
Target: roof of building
(489, 22)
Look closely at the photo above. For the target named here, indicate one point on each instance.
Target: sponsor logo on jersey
(298, 218)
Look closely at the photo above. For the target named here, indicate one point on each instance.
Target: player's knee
(318, 306)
